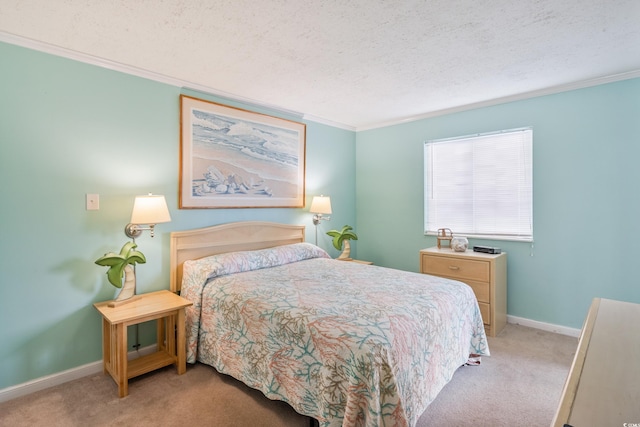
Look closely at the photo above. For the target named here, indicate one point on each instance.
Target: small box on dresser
(485, 273)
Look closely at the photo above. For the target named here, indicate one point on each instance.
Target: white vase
(459, 244)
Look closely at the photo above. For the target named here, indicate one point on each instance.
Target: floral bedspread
(345, 343)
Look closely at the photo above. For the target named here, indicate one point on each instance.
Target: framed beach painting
(234, 158)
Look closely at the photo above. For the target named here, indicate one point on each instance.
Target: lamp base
(117, 303)
(128, 290)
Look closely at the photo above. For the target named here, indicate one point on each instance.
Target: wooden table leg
(106, 344)
(181, 343)
(160, 335)
(121, 362)
(171, 335)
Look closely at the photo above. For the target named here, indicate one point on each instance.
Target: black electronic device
(487, 249)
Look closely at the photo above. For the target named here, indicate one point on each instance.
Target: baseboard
(63, 377)
(96, 367)
(549, 327)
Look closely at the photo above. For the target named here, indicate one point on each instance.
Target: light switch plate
(93, 202)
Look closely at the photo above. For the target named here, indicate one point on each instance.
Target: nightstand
(355, 260)
(486, 274)
(167, 309)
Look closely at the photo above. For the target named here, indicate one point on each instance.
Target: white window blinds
(480, 185)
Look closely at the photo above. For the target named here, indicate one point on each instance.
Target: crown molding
(511, 98)
(186, 85)
(328, 122)
(86, 58)
(149, 75)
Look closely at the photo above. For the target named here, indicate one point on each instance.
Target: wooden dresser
(603, 385)
(485, 273)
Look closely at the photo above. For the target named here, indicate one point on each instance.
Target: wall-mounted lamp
(320, 207)
(147, 210)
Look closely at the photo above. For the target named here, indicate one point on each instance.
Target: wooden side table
(167, 309)
(359, 261)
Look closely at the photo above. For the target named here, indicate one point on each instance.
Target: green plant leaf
(115, 274)
(340, 236)
(349, 235)
(109, 259)
(126, 248)
(118, 262)
(136, 257)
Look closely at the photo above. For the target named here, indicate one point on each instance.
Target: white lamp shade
(150, 209)
(321, 205)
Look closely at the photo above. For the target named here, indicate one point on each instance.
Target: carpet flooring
(518, 385)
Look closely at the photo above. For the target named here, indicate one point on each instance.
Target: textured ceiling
(358, 63)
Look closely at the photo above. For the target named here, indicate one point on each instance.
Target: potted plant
(343, 237)
(122, 265)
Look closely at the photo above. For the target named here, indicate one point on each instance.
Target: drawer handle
(453, 267)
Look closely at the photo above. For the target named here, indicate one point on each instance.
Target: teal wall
(67, 129)
(586, 152)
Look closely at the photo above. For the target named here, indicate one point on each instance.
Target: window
(480, 185)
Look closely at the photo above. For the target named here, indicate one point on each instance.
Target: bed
(344, 343)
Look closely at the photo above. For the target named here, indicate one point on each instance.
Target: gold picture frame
(235, 158)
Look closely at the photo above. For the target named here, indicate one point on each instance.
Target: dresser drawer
(485, 312)
(486, 274)
(481, 289)
(457, 268)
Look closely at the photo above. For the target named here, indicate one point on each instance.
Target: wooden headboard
(231, 237)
